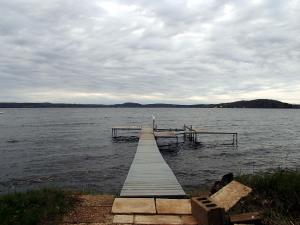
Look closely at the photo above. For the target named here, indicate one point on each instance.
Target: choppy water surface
(73, 148)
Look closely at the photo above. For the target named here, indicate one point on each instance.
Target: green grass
(275, 194)
(35, 207)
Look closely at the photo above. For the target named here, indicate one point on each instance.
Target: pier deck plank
(149, 174)
(171, 134)
(132, 127)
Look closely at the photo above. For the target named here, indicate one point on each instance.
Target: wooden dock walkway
(149, 174)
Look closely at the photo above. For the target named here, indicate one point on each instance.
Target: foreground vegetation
(35, 207)
(275, 194)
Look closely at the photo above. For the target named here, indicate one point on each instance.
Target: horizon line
(138, 103)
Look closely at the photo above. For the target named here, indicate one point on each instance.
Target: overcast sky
(113, 51)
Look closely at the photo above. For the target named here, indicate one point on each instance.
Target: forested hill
(258, 103)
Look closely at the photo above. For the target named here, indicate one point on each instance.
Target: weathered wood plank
(250, 217)
(165, 134)
(132, 127)
(229, 195)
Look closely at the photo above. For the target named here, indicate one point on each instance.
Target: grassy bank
(34, 207)
(275, 194)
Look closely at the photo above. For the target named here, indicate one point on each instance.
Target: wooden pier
(149, 174)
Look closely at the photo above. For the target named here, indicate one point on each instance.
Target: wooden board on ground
(251, 217)
(229, 195)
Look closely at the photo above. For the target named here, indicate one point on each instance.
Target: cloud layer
(149, 51)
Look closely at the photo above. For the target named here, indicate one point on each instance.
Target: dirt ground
(91, 210)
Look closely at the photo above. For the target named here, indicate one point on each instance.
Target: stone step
(133, 206)
(155, 219)
(151, 206)
(173, 206)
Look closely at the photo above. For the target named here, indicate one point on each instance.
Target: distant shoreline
(257, 103)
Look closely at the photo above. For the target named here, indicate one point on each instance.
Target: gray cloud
(149, 51)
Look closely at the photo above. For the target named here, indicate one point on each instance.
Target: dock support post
(113, 132)
(235, 139)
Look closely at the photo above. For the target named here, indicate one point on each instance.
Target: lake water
(73, 148)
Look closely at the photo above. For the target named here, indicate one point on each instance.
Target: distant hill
(47, 105)
(128, 105)
(257, 103)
